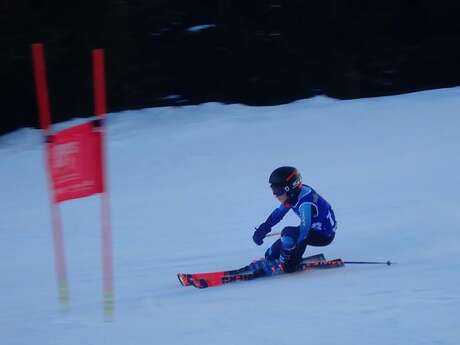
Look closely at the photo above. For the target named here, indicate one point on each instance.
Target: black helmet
(286, 180)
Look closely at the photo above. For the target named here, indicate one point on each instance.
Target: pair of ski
(204, 280)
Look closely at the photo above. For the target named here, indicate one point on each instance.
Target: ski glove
(260, 233)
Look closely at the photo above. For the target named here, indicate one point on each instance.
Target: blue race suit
(317, 226)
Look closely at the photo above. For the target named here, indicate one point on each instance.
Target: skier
(317, 223)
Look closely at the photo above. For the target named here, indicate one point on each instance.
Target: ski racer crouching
(317, 223)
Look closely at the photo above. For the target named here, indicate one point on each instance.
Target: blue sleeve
(276, 216)
(305, 220)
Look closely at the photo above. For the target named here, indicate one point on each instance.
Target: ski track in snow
(188, 185)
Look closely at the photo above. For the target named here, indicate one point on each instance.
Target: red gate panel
(75, 162)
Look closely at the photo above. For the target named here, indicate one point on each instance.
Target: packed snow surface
(188, 185)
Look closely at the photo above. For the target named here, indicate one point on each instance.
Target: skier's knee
(267, 253)
(287, 243)
(289, 237)
(291, 231)
(271, 253)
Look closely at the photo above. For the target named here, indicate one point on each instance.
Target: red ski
(204, 280)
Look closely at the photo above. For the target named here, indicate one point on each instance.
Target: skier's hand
(260, 233)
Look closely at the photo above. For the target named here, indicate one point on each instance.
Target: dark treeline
(258, 52)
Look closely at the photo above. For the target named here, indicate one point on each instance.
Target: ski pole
(273, 234)
(388, 263)
(369, 262)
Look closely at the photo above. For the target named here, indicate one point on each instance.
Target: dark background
(258, 52)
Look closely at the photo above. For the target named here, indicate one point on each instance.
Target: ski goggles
(278, 190)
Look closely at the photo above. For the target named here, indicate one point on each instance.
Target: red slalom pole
(59, 254)
(100, 109)
(41, 86)
(100, 98)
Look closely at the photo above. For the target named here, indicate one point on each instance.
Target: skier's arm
(276, 216)
(305, 220)
(264, 228)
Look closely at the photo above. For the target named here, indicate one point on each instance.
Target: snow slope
(189, 184)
